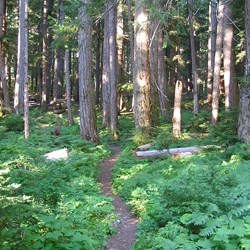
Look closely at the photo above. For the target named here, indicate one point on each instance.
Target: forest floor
(126, 222)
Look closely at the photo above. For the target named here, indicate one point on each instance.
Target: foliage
(46, 204)
(13, 122)
(198, 202)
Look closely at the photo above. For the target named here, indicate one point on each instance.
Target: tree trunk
(105, 74)
(58, 77)
(47, 57)
(68, 89)
(141, 80)
(3, 81)
(177, 109)
(131, 34)
(229, 82)
(162, 75)
(21, 77)
(153, 61)
(112, 68)
(211, 49)
(244, 109)
(120, 43)
(25, 68)
(88, 125)
(217, 66)
(193, 56)
(98, 63)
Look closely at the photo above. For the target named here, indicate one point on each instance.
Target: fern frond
(211, 226)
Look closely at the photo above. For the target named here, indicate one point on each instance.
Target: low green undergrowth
(51, 204)
(197, 202)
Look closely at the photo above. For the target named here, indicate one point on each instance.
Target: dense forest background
(124, 55)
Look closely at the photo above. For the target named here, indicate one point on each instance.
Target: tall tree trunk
(88, 125)
(47, 57)
(21, 60)
(217, 66)
(98, 63)
(113, 69)
(141, 80)
(211, 49)
(68, 89)
(25, 66)
(193, 56)
(131, 34)
(244, 107)
(120, 43)
(230, 84)
(105, 74)
(162, 75)
(59, 70)
(177, 109)
(153, 61)
(3, 81)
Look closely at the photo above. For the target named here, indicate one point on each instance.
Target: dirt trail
(126, 222)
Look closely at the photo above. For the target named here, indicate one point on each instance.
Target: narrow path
(127, 223)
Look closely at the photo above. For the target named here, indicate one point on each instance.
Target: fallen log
(176, 152)
(145, 147)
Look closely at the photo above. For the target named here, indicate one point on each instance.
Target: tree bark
(244, 108)
(153, 61)
(193, 57)
(88, 125)
(47, 57)
(229, 82)
(131, 34)
(59, 70)
(21, 77)
(211, 49)
(98, 63)
(113, 68)
(177, 109)
(162, 75)
(3, 81)
(217, 66)
(105, 74)
(141, 80)
(68, 89)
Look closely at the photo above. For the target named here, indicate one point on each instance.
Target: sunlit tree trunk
(105, 75)
(68, 89)
(113, 68)
(88, 125)
(120, 43)
(244, 109)
(141, 79)
(230, 83)
(26, 78)
(22, 62)
(177, 109)
(46, 80)
(217, 66)
(3, 81)
(193, 56)
(211, 49)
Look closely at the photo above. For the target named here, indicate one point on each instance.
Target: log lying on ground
(145, 147)
(175, 152)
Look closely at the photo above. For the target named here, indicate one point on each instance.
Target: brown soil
(126, 223)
